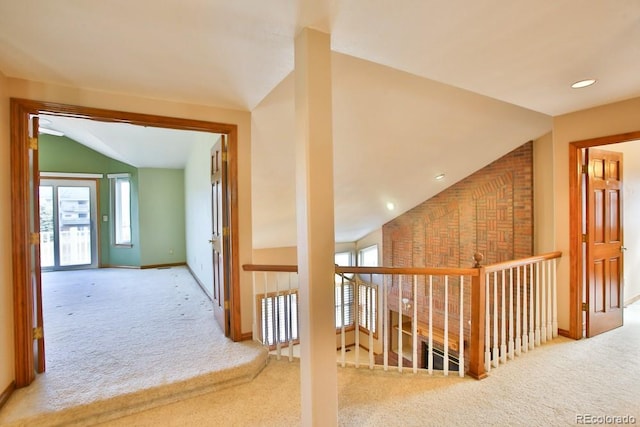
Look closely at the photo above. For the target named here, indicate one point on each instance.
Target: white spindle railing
(527, 307)
(405, 312)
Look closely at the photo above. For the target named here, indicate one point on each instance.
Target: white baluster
(385, 323)
(291, 319)
(487, 327)
(503, 318)
(461, 331)
(257, 323)
(543, 302)
(276, 318)
(265, 333)
(414, 325)
(343, 334)
(531, 308)
(554, 302)
(549, 301)
(518, 315)
(496, 354)
(445, 361)
(537, 332)
(372, 320)
(356, 318)
(430, 350)
(511, 346)
(525, 319)
(400, 308)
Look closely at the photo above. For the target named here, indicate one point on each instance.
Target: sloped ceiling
(421, 87)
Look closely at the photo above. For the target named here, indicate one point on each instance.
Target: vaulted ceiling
(421, 87)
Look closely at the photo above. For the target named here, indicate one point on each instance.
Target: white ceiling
(420, 86)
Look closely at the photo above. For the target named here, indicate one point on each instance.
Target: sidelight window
(121, 203)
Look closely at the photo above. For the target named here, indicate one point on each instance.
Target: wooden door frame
(576, 294)
(23, 298)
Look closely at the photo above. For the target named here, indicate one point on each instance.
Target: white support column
(314, 210)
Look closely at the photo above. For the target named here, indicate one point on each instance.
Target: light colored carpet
(129, 339)
(550, 386)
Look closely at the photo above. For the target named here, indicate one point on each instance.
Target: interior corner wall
(44, 92)
(161, 210)
(7, 373)
(490, 212)
(612, 119)
(543, 182)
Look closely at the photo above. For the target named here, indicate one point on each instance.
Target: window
(279, 318)
(368, 257)
(368, 304)
(121, 202)
(343, 259)
(344, 304)
(368, 292)
(344, 292)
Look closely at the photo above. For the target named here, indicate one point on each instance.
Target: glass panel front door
(68, 219)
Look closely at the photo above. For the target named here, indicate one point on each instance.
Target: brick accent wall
(490, 211)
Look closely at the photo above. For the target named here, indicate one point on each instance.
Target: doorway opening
(584, 283)
(29, 358)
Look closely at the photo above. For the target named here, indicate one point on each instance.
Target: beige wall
(543, 229)
(6, 291)
(616, 118)
(83, 97)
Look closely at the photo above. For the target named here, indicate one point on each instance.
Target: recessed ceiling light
(583, 83)
(440, 177)
(390, 206)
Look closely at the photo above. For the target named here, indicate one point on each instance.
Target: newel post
(478, 301)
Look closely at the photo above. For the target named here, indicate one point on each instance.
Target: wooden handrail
(274, 267)
(520, 262)
(436, 271)
(370, 270)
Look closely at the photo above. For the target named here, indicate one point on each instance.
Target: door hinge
(585, 306)
(38, 333)
(34, 238)
(585, 238)
(225, 231)
(223, 155)
(33, 143)
(584, 169)
(226, 305)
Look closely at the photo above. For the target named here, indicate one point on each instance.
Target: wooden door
(604, 278)
(220, 241)
(34, 247)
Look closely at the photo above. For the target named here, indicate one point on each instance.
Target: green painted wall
(61, 154)
(162, 216)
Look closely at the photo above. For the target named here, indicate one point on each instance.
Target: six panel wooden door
(604, 273)
(220, 234)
